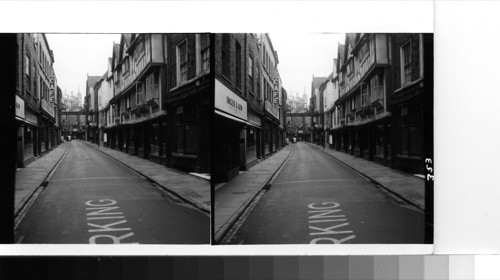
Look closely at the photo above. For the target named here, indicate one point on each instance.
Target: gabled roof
(326, 80)
(124, 44)
(116, 52)
(340, 56)
(350, 41)
(91, 80)
(317, 81)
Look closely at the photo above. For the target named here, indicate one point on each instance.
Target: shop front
(272, 129)
(253, 130)
(231, 118)
(188, 135)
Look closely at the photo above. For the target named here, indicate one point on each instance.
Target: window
(139, 49)
(258, 82)
(238, 64)
(365, 94)
(406, 64)
(410, 130)
(182, 68)
(152, 86)
(250, 72)
(350, 67)
(27, 70)
(250, 66)
(364, 51)
(187, 131)
(155, 140)
(126, 66)
(205, 52)
(138, 96)
(226, 55)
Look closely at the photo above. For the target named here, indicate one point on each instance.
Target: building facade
(138, 67)
(317, 110)
(36, 98)
(411, 99)
(384, 103)
(187, 101)
(249, 106)
(364, 87)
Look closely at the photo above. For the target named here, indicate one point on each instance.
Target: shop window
(187, 131)
(155, 140)
(28, 142)
(410, 130)
(379, 141)
(131, 140)
(164, 135)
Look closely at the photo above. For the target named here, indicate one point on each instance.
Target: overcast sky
(300, 56)
(303, 55)
(78, 54)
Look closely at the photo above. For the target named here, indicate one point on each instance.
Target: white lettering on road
(322, 213)
(99, 210)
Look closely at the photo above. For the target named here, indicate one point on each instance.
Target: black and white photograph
(323, 138)
(112, 138)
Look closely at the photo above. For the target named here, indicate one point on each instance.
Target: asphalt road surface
(317, 200)
(91, 198)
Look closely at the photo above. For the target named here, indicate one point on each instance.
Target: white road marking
(319, 213)
(92, 178)
(312, 181)
(99, 210)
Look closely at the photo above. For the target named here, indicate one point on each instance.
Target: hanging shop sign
(227, 101)
(52, 87)
(272, 110)
(276, 91)
(20, 107)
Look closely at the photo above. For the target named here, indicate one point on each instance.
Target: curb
(19, 208)
(219, 235)
(197, 205)
(389, 189)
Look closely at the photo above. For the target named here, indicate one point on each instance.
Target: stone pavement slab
(32, 177)
(408, 186)
(232, 198)
(192, 189)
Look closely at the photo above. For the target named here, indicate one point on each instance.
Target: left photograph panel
(112, 139)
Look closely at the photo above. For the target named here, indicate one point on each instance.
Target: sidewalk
(190, 188)
(411, 188)
(232, 198)
(30, 178)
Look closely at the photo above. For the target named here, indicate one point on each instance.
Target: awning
(230, 117)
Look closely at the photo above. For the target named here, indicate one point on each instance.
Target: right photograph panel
(323, 138)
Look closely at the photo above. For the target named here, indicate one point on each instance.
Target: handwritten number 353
(429, 176)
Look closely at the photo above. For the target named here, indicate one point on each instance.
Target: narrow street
(91, 198)
(316, 199)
